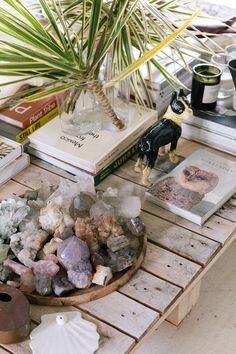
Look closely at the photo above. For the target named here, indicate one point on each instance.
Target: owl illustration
(186, 189)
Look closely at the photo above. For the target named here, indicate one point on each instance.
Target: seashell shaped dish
(70, 332)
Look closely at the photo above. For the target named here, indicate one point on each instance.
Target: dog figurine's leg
(174, 158)
(162, 151)
(148, 169)
(138, 167)
(146, 173)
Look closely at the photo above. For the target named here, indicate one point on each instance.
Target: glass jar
(205, 86)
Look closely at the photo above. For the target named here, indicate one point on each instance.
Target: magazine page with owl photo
(197, 187)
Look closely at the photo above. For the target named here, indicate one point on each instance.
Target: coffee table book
(14, 167)
(96, 178)
(94, 151)
(9, 150)
(24, 114)
(197, 187)
(222, 124)
(20, 135)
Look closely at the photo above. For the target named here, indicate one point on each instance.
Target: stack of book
(18, 121)
(213, 129)
(96, 154)
(12, 159)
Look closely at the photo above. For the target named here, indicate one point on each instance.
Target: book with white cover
(9, 150)
(96, 150)
(14, 167)
(210, 138)
(223, 124)
(197, 187)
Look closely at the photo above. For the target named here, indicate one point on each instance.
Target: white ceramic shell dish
(65, 332)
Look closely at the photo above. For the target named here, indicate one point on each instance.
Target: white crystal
(129, 207)
(101, 208)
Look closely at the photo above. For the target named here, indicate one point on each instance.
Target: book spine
(128, 141)
(36, 125)
(116, 164)
(46, 109)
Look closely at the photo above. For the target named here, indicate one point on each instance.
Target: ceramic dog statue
(167, 131)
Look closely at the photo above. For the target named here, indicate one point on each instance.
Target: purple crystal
(43, 284)
(61, 286)
(72, 252)
(80, 280)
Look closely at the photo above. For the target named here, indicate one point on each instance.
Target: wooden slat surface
(169, 266)
(179, 240)
(178, 253)
(123, 313)
(151, 290)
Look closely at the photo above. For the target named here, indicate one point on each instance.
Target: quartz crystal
(80, 280)
(62, 286)
(12, 212)
(72, 252)
(53, 218)
(82, 204)
(25, 245)
(101, 208)
(136, 226)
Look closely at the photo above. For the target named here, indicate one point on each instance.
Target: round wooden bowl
(95, 291)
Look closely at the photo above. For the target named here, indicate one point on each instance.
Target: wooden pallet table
(166, 287)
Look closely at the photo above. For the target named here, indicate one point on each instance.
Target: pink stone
(15, 267)
(45, 267)
(27, 282)
(51, 257)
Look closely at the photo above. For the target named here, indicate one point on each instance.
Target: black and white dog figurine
(167, 131)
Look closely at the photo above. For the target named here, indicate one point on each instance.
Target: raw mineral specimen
(51, 246)
(12, 212)
(25, 245)
(82, 205)
(86, 231)
(136, 226)
(45, 267)
(53, 218)
(80, 280)
(61, 286)
(5, 273)
(106, 226)
(102, 276)
(16, 267)
(27, 282)
(115, 243)
(101, 208)
(72, 251)
(3, 252)
(43, 284)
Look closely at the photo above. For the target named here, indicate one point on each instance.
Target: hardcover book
(96, 178)
(96, 150)
(210, 138)
(197, 187)
(223, 124)
(24, 114)
(14, 167)
(9, 151)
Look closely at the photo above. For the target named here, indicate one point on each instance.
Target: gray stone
(62, 286)
(6, 273)
(43, 284)
(136, 226)
(115, 243)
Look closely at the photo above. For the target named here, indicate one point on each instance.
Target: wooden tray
(95, 291)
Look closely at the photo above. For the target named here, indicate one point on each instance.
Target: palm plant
(70, 47)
